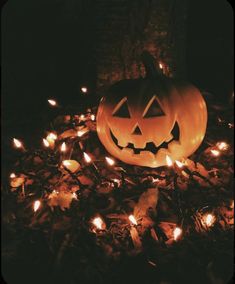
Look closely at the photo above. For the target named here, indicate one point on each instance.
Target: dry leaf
(147, 200)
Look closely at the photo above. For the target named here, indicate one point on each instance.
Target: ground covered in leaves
(58, 243)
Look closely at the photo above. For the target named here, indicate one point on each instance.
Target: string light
(169, 161)
(52, 102)
(63, 147)
(222, 146)
(17, 143)
(177, 233)
(87, 157)
(110, 161)
(208, 219)
(99, 223)
(46, 143)
(215, 153)
(133, 220)
(84, 90)
(36, 205)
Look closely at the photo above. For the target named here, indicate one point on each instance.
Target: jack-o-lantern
(141, 121)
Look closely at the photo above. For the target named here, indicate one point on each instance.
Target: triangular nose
(137, 131)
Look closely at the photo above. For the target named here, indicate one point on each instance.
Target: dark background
(48, 52)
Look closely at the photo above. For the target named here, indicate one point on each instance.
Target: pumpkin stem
(149, 65)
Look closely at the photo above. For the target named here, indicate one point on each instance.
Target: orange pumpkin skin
(136, 119)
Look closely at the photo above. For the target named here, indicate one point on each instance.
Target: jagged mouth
(150, 146)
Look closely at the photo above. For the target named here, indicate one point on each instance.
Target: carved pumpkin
(141, 121)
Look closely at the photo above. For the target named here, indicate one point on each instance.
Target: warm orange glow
(75, 195)
(232, 204)
(84, 89)
(179, 164)
(36, 205)
(63, 147)
(92, 117)
(46, 143)
(98, 222)
(82, 116)
(160, 66)
(215, 153)
(87, 157)
(177, 233)
(110, 161)
(52, 102)
(80, 133)
(222, 146)
(208, 219)
(17, 143)
(169, 161)
(12, 175)
(132, 219)
(52, 136)
(66, 163)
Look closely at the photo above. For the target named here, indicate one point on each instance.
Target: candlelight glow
(132, 219)
(52, 102)
(92, 117)
(215, 153)
(110, 161)
(12, 175)
(208, 219)
(98, 222)
(17, 143)
(36, 205)
(86, 157)
(176, 233)
(222, 146)
(84, 89)
(63, 147)
(160, 66)
(46, 143)
(169, 161)
(179, 164)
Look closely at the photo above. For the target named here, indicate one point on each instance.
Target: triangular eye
(154, 109)
(122, 109)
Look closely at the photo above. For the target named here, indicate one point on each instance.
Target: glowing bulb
(52, 136)
(17, 143)
(92, 117)
(232, 204)
(215, 153)
(179, 164)
(133, 220)
(160, 65)
(52, 102)
(169, 161)
(208, 220)
(12, 175)
(63, 147)
(36, 205)
(82, 116)
(98, 222)
(222, 146)
(87, 157)
(84, 90)
(110, 161)
(176, 233)
(46, 143)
